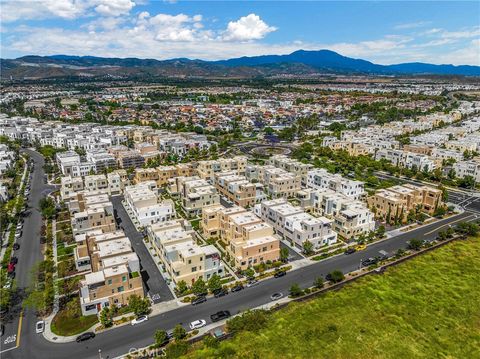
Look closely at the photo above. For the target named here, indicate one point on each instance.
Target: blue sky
(382, 31)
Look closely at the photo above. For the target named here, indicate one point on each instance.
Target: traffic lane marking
(449, 224)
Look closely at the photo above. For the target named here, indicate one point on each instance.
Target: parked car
(11, 267)
(280, 273)
(140, 319)
(350, 250)
(360, 247)
(2, 330)
(237, 288)
(369, 261)
(85, 336)
(40, 327)
(252, 283)
(276, 296)
(197, 324)
(14, 260)
(220, 293)
(199, 300)
(16, 246)
(223, 314)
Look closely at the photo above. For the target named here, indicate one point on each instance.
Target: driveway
(155, 285)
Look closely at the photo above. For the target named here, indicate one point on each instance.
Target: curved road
(119, 341)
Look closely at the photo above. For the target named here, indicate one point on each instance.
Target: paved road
(156, 285)
(28, 255)
(119, 341)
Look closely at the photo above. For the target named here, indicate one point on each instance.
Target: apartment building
(291, 165)
(353, 219)
(128, 158)
(236, 188)
(195, 194)
(109, 287)
(95, 211)
(320, 178)
(278, 183)
(468, 168)
(182, 258)
(101, 159)
(295, 225)
(397, 201)
(207, 169)
(142, 202)
(114, 270)
(249, 240)
(69, 186)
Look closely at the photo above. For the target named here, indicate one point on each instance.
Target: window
(109, 282)
(194, 269)
(120, 289)
(124, 278)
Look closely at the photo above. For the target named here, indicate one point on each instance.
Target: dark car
(280, 273)
(85, 336)
(2, 330)
(350, 250)
(369, 261)
(199, 300)
(14, 260)
(223, 314)
(220, 293)
(16, 246)
(237, 288)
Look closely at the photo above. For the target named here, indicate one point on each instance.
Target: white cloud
(13, 10)
(411, 25)
(113, 7)
(469, 54)
(249, 27)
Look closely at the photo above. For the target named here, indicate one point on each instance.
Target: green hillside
(428, 307)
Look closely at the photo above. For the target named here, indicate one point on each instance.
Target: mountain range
(298, 63)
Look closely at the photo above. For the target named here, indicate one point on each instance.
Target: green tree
(295, 290)
(415, 244)
(284, 254)
(466, 182)
(318, 282)
(182, 287)
(210, 341)
(381, 231)
(335, 276)
(160, 337)
(176, 349)
(179, 332)
(249, 272)
(106, 318)
(47, 207)
(199, 287)
(307, 247)
(139, 305)
(214, 283)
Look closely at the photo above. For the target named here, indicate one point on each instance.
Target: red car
(11, 268)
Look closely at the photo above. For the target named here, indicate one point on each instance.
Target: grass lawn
(69, 320)
(428, 307)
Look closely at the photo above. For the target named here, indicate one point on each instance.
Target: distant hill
(300, 62)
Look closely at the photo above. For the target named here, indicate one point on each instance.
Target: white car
(140, 319)
(197, 324)
(40, 327)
